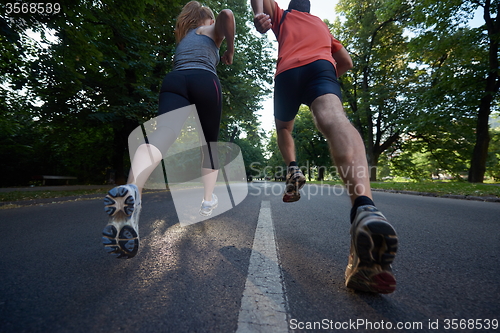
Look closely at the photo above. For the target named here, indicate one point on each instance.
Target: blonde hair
(192, 15)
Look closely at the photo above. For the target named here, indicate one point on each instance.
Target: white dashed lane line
(263, 301)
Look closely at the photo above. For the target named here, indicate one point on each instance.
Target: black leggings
(186, 87)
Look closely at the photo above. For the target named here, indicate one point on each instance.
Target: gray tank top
(196, 52)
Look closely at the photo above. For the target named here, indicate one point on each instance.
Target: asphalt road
(56, 277)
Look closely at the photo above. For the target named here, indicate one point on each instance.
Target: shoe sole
(123, 245)
(119, 238)
(371, 281)
(117, 202)
(292, 190)
(376, 246)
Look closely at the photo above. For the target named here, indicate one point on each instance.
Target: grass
(444, 188)
(439, 188)
(32, 195)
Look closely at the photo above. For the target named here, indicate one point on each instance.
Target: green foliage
(422, 86)
(101, 77)
(460, 70)
(376, 89)
(441, 188)
(253, 155)
(421, 74)
(408, 166)
(274, 158)
(493, 166)
(243, 82)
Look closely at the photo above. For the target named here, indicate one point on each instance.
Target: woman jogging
(193, 81)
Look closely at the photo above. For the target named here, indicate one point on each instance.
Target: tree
(253, 156)
(101, 77)
(18, 135)
(493, 165)
(244, 83)
(275, 163)
(440, 22)
(444, 98)
(376, 88)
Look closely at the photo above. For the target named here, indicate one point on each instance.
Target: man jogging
(193, 81)
(309, 62)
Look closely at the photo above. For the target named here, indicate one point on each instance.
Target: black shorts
(302, 85)
(186, 87)
(194, 86)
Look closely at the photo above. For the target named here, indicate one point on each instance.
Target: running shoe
(208, 206)
(373, 247)
(294, 181)
(121, 235)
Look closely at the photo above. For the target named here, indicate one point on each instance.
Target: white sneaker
(208, 206)
(121, 234)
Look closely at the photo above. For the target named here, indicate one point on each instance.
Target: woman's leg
(146, 159)
(206, 94)
(170, 120)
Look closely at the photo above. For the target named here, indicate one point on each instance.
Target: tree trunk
(372, 159)
(373, 170)
(480, 153)
(321, 174)
(120, 150)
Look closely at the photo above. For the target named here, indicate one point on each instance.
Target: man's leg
(285, 140)
(295, 179)
(373, 239)
(346, 146)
